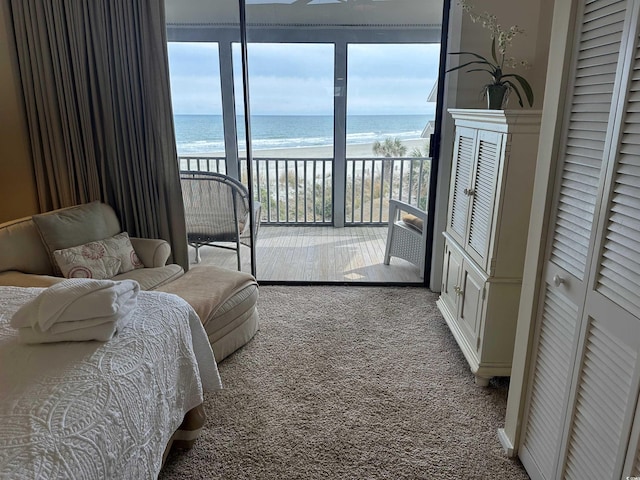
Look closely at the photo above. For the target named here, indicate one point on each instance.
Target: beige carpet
(349, 383)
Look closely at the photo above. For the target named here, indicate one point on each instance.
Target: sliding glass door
(341, 111)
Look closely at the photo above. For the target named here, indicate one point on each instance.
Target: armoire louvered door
(477, 156)
(482, 195)
(583, 385)
(464, 154)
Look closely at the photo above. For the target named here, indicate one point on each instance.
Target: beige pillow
(98, 260)
(73, 226)
(413, 221)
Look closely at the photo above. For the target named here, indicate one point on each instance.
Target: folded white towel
(127, 304)
(75, 300)
(101, 332)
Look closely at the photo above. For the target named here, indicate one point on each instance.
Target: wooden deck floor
(318, 254)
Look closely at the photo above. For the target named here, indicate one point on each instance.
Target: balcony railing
(299, 191)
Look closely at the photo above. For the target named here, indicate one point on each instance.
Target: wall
(532, 46)
(18, 196)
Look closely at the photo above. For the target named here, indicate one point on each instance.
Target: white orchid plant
(500, 41)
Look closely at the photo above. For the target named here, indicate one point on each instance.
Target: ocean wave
(359, 138)
(204, 135)
(263, 143)
(203, 146)
(199, 146)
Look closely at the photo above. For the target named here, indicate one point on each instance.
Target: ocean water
(197, 134)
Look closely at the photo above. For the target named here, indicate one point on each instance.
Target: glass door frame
(226, 35)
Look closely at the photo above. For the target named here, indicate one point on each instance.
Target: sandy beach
(363, 150)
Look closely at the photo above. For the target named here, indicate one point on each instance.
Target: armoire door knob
(558, 280)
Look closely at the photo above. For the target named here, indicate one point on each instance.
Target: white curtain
(96, 84)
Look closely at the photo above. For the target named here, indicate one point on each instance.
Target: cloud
(196, 95)
(272, 95)
(290, 59)
(297, 79)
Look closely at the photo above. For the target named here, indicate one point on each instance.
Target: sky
(297, 79)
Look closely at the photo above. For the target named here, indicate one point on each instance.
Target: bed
(100, 410)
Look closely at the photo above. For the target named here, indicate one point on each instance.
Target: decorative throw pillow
(90, 260)
(119, 246)
(413, 221)
(98, 260)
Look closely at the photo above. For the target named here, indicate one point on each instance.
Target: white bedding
(93, 410)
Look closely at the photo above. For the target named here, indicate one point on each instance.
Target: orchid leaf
(474, 62)
(515, 89)
(493, 50)
(470, 53)
(480, 70)
(526, 88)
(490, 72)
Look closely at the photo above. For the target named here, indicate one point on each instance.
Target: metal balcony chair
(407, 236)
(216, 209)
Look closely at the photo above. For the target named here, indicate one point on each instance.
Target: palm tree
(420, 180)
(417, 153)
(391, 147)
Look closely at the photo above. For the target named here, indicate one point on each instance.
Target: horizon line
(304, 114)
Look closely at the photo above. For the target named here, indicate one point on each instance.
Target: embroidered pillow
(120, 246)
(90, 260)
(98, 260)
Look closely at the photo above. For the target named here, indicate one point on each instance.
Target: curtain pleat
(96, 83)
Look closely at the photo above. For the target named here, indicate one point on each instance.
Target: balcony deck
(318, 254)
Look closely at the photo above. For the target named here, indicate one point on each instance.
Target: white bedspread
(93, 410)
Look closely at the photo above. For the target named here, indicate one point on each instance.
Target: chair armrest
(152, 252)
(396, 205)
(246, 232)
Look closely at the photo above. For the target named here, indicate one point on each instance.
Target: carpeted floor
(349, 383)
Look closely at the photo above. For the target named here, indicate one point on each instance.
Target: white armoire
(485, 238)
(581, 417)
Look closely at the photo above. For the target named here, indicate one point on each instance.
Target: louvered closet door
(607, 377)
(585, 142)
(482, 194)
(464, 158)
(616, 282)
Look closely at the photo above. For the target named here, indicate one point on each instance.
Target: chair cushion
(73, 226)
(225, 301)
(413, 221)
(206, 288)
(232, 312)
(152, 278)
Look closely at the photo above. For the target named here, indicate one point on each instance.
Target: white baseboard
(507, 446)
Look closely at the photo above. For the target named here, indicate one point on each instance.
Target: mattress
(100, 410)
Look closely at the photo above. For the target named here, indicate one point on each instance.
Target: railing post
(339, 133)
